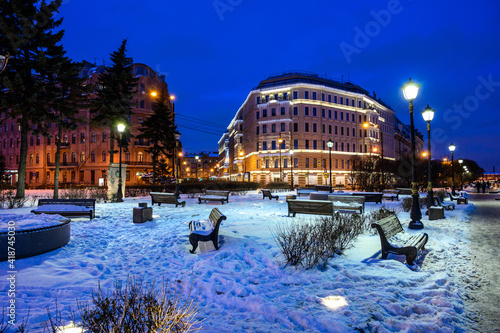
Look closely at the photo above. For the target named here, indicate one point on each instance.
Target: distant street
(484, 291)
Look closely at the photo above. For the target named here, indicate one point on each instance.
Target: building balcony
(272, 99)
(141, 144)
(63, 164)
(148, 164)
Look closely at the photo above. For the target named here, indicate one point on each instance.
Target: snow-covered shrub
(407, 203)
(278, 186)
(33, 199)
(11, 201)
(312, 243)
(377, 215)
(73, 193)
(3, 199)
(139, 307)
(440, 193)
(99, 194)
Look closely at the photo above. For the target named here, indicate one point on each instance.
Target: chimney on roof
(374, 95)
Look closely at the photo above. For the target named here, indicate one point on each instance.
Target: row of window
(316, 163)
(309, 95)
(307, 128)
(313, 144)
(314, 113)
(35, 159)
(12, 127)
(273, 145)
(35, 176)
(37, 140)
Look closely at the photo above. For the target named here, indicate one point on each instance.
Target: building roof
(304, 77)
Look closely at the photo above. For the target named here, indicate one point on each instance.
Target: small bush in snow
(440, 193)
(278, 186)
(312, 243)
(377, 215)
(73, 193)
(99, 194)
(139, 307)
(408, 203)
(9, 199)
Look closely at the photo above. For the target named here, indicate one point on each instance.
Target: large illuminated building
(286, 122)
(85, 152)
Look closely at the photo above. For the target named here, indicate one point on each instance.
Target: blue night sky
(214, 52)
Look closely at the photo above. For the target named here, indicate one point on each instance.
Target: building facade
(85, 152)
(282, 129)
(204, 167)
(402, 136)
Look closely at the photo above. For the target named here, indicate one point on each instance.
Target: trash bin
(142, 213)
(436, 213)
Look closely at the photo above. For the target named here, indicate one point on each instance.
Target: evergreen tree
(27, 30)
(159, 129)
(113, 102)
(68, 95)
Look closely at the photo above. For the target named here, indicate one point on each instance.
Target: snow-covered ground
(243, 287)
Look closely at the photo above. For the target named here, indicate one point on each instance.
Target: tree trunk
(23, 155)
(111, 144)
(58, 163)
(154, 168)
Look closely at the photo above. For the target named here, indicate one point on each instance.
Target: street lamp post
(119, 195)
(196, 161)
(291, 165)
(452, 148)
(382, 154)
(428, 115)
(460, 161)
(280, 140)
(330, 145)
(244, 166)
(410, 91)
(176, 165)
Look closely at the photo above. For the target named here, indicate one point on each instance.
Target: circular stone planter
(32, 242)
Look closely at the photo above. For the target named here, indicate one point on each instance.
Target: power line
(199, 126)
(200, 130)
(201, 121)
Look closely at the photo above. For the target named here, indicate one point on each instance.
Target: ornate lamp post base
(415, 225)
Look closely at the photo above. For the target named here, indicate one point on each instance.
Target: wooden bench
(67, 207)
(445, 204)
(389, 227)
(168, 198)
(404, 191)
(390, 194)
(322, 188)
(195, 236)
(315, 207)
(214, 195)
(353, 204)
(459, 200)
(305, 191)
(267, 194)
(370, 196)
